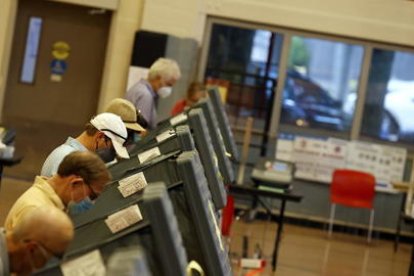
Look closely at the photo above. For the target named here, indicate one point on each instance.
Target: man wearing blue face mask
(105, 134)
(162, 76)
(81, 174)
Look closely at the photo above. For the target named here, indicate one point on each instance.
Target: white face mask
(165, 91)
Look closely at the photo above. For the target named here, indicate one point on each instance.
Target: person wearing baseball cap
(129, 115)
(105, 134)
(110, 126)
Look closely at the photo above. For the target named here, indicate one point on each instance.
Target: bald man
(42, 233)
(80, 175)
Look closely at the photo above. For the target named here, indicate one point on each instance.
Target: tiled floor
(307, 251)
(303, 251)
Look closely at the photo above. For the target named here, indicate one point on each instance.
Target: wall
(8, 9)
(380, 20)
(126, 20)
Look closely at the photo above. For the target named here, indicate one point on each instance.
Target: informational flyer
(284, 150)
(333, 156)
(317, 159)
(362, 157)
(306, 151)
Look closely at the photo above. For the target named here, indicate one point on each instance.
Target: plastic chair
(352, 189)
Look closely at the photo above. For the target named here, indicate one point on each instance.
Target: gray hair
(165, 68)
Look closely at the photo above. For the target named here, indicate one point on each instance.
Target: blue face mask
(136, 138)
(80, 207)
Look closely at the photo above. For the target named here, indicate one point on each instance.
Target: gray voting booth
(192, 205)
(223, 122)
(213, 128)
(196, 128)
(96, 235)
(179, 218)
(128, 261)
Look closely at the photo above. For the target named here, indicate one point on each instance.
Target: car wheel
(390, 128)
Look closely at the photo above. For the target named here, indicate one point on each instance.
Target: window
(389, 103)
(31, 50)
(248, 59)
(320, 76)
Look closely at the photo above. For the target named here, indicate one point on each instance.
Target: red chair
(352, 189)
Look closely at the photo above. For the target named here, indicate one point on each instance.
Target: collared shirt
(51, 165)
(144, 98)
(41, 193)
(4, 255)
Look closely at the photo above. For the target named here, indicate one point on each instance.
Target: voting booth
(165, 200)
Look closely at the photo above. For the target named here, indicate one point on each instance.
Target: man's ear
(30, 245)
(75, 180)
(100, 135)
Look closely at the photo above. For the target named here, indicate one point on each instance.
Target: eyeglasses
(47, 251)
(92, 195)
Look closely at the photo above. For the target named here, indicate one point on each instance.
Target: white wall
(389, 21)
(182, 18)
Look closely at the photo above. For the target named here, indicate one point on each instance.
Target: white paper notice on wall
(362, 157)
(85, 265)
(178, 119)
(132, 184)
(306, 151)
(149, 154)
(284, 150)
(165, 135)
(124, 218)
(333, 156)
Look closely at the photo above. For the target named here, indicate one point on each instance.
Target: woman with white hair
(162, 75)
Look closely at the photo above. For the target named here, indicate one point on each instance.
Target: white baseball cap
(114, 129)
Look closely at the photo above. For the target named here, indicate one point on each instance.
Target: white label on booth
(148, 155)
(123, 219)
(165, 135)
(132, 184)
(88, 264)
(178, 119)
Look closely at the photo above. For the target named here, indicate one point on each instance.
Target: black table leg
(278, 234)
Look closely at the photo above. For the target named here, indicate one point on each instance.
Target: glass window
(389, 104)
(248, 60)
(31, 51)
(320, 77)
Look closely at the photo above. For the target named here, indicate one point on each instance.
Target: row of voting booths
(160, 215)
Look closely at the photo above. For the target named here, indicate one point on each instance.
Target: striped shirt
(51, 165)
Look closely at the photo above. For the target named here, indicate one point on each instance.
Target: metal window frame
(275, 128)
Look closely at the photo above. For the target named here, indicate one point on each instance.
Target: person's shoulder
(139, 87)
(62, 151)
(55, 158)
